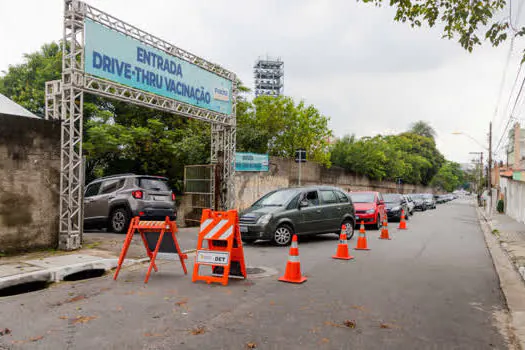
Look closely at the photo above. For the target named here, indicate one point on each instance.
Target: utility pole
(480, 173)
(489, 180)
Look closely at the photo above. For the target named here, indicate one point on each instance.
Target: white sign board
(211, 257)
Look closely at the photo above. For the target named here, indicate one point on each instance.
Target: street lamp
(489, 149)
(470, 137)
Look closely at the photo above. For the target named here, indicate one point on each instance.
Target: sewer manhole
(254, 270)
(85, 274)
(23, 288)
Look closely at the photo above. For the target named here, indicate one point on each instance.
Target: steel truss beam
(72, 105)
(53, 99)
(124, 93)
(65, 100)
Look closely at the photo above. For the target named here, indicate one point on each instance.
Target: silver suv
(112, 201)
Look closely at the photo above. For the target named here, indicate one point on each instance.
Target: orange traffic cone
(402, 222)
(292, 273)
(342, 248)
(384, 229)
(362, 244)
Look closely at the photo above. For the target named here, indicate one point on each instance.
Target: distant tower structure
(269, 76)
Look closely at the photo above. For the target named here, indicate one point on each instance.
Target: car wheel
(248, 240)
(282, 235)
(119, 220)
(407, 217)
(378, 223)
(350, 227)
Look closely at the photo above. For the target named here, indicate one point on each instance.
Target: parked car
(395, 203)
(279, 214)
(429, 200)
(112, 201)
(419, 202)
(369, 207)
(410, 204)
(442, 198)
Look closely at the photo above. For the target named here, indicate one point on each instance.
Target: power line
(510, 115)
(520, 8)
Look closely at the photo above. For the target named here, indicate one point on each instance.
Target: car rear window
(153, 184)
(392, 198)
(362, 197)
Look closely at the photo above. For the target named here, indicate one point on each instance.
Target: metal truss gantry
(65, 101)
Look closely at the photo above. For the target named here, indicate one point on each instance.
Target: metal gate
(200, 186)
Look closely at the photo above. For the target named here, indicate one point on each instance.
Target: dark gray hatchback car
(302, 210)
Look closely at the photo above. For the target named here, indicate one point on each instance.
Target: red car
(369, 207)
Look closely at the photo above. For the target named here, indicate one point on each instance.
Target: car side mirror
(303, 203)
(382, 202)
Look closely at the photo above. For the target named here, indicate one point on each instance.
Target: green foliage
(500, 207)
(407, 156)
(449, 177)
(422, 128)
(25, 83)
(464, 19)
(278, 126)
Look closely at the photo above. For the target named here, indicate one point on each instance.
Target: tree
(449, 178)
(278, 126)
(464, 19)
(423, 129)
(407, 156)
(25, 83)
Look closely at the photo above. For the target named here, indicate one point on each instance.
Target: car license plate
(243, 228)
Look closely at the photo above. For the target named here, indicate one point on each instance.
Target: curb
(511, 284)
(53, 275)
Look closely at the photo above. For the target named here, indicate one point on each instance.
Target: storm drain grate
(85, 274)
(23, 288)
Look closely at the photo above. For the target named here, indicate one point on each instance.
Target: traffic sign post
(300, 157)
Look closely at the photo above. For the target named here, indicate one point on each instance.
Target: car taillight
(172, 196)
(137, 194)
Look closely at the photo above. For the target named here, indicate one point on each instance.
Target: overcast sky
(367, 73)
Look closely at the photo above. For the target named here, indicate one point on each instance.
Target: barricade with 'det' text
(220, 247)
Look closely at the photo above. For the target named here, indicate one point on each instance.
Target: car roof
(309, 188)
(121, 176)
(375, 192)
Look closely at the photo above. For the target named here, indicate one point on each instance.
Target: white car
(410, 204)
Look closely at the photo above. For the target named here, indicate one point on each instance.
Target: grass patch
(93, 245)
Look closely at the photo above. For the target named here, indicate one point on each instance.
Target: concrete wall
(284, 173)
(29, 183)
(514, 198)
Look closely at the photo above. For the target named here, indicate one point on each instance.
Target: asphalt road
(431, 287)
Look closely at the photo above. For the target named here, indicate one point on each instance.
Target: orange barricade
(157, 243)
(220, 247)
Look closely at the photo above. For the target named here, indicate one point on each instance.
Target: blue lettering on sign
(116, 57)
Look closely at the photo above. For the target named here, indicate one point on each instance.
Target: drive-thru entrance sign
(105, 56)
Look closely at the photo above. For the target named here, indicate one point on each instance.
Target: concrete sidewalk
(511, 236)
(505, 239)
